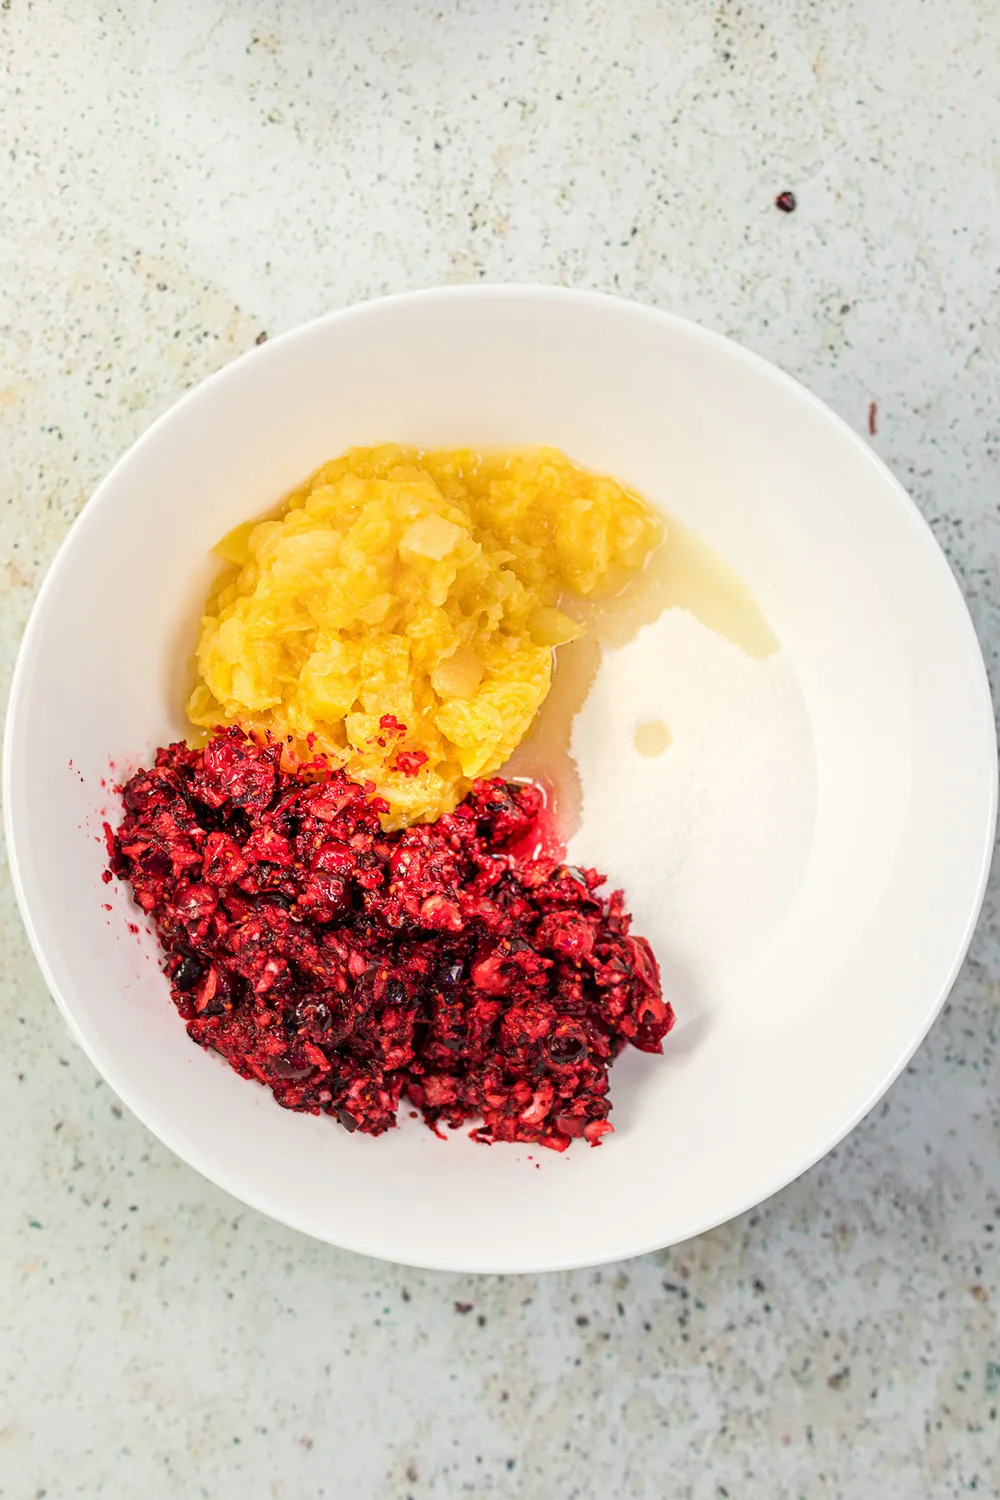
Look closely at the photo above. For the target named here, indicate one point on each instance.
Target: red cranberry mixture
(349, 969)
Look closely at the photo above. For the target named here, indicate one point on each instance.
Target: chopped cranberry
(347, 969)
(237, 771)
(223, 861)
(410, 761)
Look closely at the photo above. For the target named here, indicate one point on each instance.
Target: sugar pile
(709, 839)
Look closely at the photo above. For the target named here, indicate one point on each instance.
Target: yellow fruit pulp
(425, 586)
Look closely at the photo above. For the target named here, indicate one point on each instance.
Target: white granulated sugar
(709, 839)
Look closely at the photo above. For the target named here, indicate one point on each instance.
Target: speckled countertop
(181, 177)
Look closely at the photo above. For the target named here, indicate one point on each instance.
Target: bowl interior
(773, 1058)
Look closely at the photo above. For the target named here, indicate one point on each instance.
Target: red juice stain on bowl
(544, 838)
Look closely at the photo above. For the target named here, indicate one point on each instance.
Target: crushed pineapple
(419, 589)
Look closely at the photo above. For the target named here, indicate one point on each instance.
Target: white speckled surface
(181, 176)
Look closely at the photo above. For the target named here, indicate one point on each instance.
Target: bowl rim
(491, 291)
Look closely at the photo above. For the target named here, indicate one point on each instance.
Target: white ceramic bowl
(775, 1066)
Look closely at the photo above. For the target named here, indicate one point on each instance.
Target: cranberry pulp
(349, 969)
